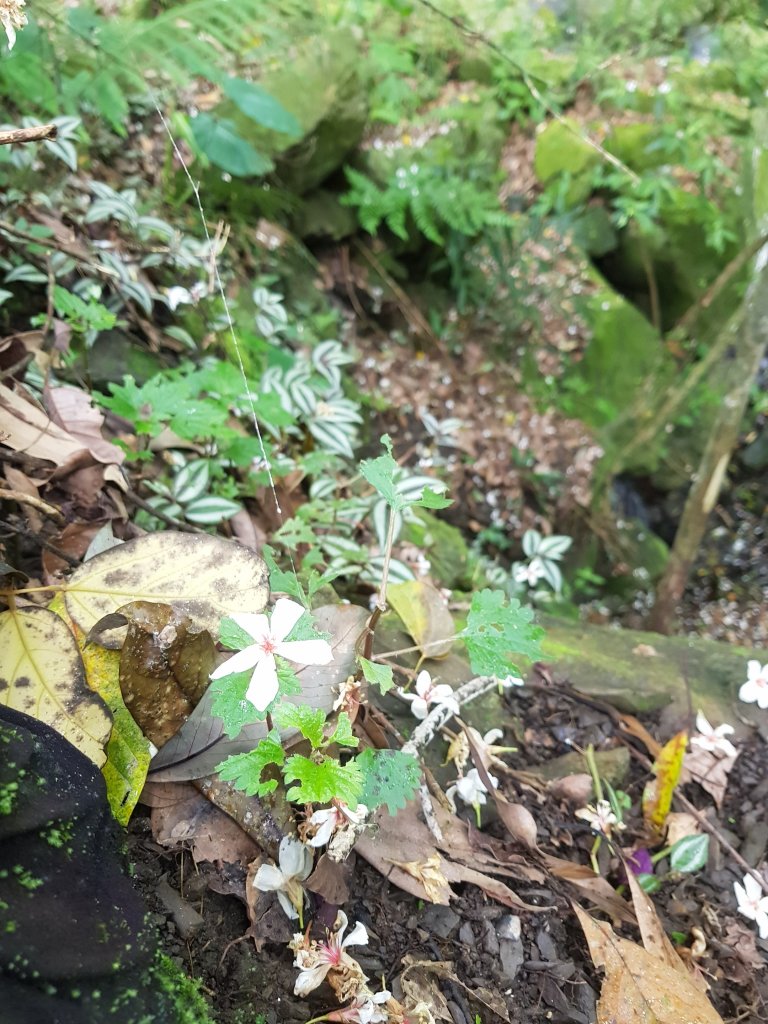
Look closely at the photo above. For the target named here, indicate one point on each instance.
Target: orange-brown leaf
(657, 797)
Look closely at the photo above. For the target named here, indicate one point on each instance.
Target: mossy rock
(444, 546)
(644, 553)
(633, 145)
(321, 215)
(560, 149)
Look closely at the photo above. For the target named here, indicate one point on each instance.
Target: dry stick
(38, 133)
(438, 716)
(6, 494)
(177, 524)
(58, 246)
(471, 33)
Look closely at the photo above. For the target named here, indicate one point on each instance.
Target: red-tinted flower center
(268, 645)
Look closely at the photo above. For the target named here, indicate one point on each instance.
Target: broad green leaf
(425, 615)
(342, 735)
(245, 770)
(45, 678)
(657, 795)
(203, 577)
(232, 636)
(689, 853)
(309, 721)
(256, 103)
(649, 883)
(390, 777)
(128, 752)
(432, 499)
(281, 582)
(220, 141)
(380, 474)
(229, 703)
(379, 675)
(211, 510)
(321, 783)
(495, 630)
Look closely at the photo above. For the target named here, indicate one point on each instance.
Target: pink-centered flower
(753, 903)
(329, 819)
(428, 693)
(600, 817)
(319, 958)
(712, 739)
(365, 1008)
(755, 690)
(269, 640)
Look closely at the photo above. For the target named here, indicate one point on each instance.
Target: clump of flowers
(428, 693)
(753, 903)
(755, 690)
(295, 866)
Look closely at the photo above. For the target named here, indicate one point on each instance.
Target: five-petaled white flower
(269, 640)
(319, 958)
(471, 788)
(713, 739)
(753, 903)
(428, 693)
(11, 18)
(329, 819)
(756, 687)
(295, 862)
(600, 817)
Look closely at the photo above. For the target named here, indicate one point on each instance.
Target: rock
(755, 843)
(560, 149)
(440, 920)
(511, 954)
(467, 935)
(444, 546)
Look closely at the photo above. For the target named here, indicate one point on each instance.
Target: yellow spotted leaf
(204, 578)
(43, 676)
(657, 796)
(128, 752)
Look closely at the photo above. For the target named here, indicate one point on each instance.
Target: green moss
(184, 992)
(443, 545)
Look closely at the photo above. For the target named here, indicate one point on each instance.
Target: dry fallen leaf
(681, 824)
(640, 988)
(428, 873)
(424, 613)
(709, 770)
(72, 409)
(657, 795)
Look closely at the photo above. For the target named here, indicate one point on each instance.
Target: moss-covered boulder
(444, 546)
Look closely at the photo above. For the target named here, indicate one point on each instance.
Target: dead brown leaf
(191, 821)
(492, 1001)
(596, 888)
(709, 770)
(27, 428)
(640, 988)
(72, 410)
(332, 879)
(429, 874)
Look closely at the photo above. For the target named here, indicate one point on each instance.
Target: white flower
(756, 687)
(295, 866)
(329, 819)
(470, 788)
(601, 818)
(713, 739)
(316, 960)
(178, 296)
(753, 903)
(529, 573)
(269, 640)
(365, 1008)
(428, 693)
(11, 18)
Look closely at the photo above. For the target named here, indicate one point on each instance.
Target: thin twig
(38, 133)
(7, 494)
(177, 524)
(438, 716)
(58, 246)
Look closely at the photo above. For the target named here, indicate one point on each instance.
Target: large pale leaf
(641, 988)
(204, 578)
(44, 678)
(425, 615)
(128, 752)
(200, 744)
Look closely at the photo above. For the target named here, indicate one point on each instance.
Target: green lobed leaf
(380, 474)
(379, 675)
(234, 637)
(431, 499)
(497, 628)
(309, 721)
(230, 705)
(689, 853)
(245, 770)
(342, 735)
(320, 783)
(390, 777)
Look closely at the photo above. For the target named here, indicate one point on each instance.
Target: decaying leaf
(679, 825)
(428, 873)
(201, 744)
(657, 796)
(492, 1001)
(128, 751)
(425, 616)
(594, 887)
(421, 989)
(655, 939)
(640, 988)
(710, 770)
(165, 665)
(44, 677)
(205, 578)
(72, 409)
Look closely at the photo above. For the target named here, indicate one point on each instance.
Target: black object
(75, 947)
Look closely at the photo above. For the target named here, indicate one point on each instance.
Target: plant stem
(381, 601)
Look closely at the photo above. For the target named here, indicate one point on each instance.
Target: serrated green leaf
(230, 705)
(245, 770)
(431, 499)
(309, 721)
(321, 783)
(380, 474)
(497, 628)
(379, 675)
(390, 777)
(281, 582)
(234, 637)
(342, 735)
